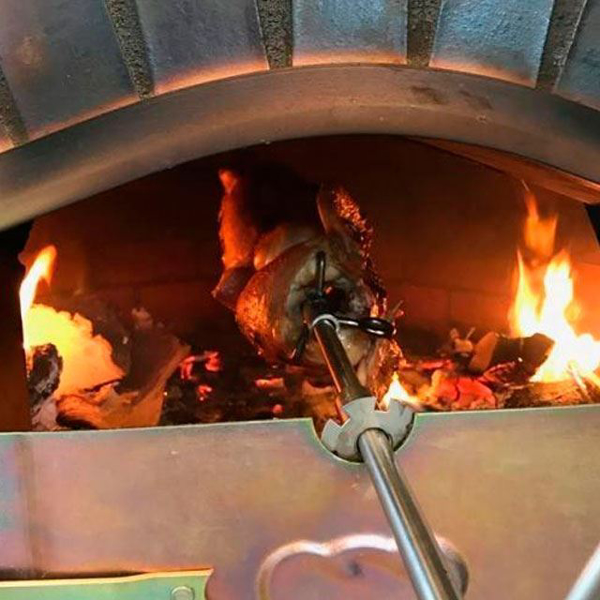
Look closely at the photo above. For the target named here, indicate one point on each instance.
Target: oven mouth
(446, 220)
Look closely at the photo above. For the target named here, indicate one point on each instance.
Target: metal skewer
(416, 543)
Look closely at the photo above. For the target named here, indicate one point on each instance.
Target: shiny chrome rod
(587, 586)
(418, 547)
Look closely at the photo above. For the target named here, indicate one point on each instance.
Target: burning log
(504, 386)
(137, 400)
(449, 383)
(553, 393)
(73, 378)
(451, 390)
(545, 297)
(86, 356)
(494, 349)
(43, 373)
(217, 385)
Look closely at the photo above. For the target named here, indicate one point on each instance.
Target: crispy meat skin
(270, 240)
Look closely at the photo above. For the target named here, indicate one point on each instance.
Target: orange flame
(87, 358)
(396, 391)
(544, 301)
(41, 269)
(539, 232)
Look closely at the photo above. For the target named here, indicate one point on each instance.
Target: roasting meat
(272, 225)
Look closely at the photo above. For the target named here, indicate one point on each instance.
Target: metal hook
(321, 266)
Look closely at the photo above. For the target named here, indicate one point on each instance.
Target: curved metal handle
(371, 325)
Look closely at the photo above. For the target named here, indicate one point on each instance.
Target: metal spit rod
(416, 543)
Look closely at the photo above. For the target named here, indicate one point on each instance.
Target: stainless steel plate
(516, 492)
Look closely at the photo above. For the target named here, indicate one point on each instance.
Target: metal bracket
(180, 585)
(363, 414)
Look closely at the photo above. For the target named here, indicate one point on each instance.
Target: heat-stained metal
(580, 78)
(228, 496)
(160, 586)
(62, 62)
(164, 131)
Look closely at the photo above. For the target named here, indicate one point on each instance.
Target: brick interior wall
(446, 234)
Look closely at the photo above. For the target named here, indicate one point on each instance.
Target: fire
(544, 301)
(396, 391)
(41, 269)
(87, 358)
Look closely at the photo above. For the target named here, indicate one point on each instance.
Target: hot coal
(492, 372)
(244, 387)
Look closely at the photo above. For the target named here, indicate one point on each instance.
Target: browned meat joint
(269, 249)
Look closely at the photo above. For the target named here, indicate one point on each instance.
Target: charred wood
(494, 349)
(43, 372)
(559, 393)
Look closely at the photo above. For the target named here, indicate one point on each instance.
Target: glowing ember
(87, 358)
(213, 361)
(203, 391)
(270, 384)
(210, 360)
(397, 392)
(544, 301)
